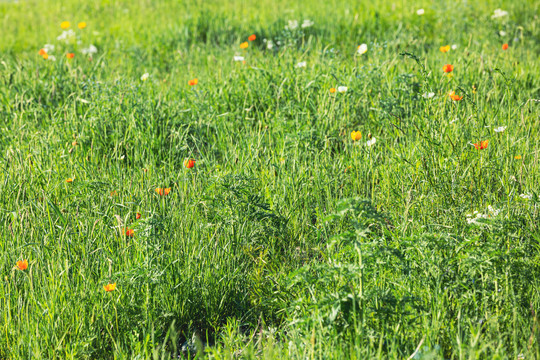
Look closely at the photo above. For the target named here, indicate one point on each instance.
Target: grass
(287, 239)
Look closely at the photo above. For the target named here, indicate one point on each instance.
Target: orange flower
(69, 180)
(244, 45)
(481, 145)
(517, 157)
(65, 24)
(356, 135)
(129, 232)
(505, 46)
(22, 264)
(45, 56)
(444, 49)
(110, 287)
(448, 68)
(163, 192)
(332, 90)
(252, 37)
(138, 216)
(455, 97)
(70, 55)
(193, 82)
(81, 25)
(189, 163)
(42, 52)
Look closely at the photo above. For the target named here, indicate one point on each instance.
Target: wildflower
(65, 25)
(301, 64)
(499, 13)
(420, 12)
(428, 95)
(517, 157)
(189, 163)
(113, 193)
(481, 145)
(70, 55)
(129, 232)
(50, 57)
(22, 264)
(69, 180)
(454, 47)
(356, 135)
(66, 36)
(163, 192)
(81, 25)
(444, 49)
(244, 45)
(145, 76)
(448, 68)
(474, 89)
(500, 129)
(91, 49)
(193, 82)
(502, 33)
(332, 90)
(239, 58)
(342, 89)
(526, 196)
(371, 142)
(455, 97)
(48, 48)
(42, 52)
(110, 287)
(292, 24)
(362, 49)
(252, 37)
(138, 216)
(307, 23)
(505, 47)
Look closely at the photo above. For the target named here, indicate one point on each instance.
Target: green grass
(287, 239)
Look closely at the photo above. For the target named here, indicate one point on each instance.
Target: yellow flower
(517, 157)
(356, 135)
(65, 24)
(110, 287)
(444, 49)
(69, 180)
(81, 25)
(244, 45)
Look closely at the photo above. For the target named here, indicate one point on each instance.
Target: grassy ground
(287, 238)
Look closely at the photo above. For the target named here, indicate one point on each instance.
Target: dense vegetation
(291, 235)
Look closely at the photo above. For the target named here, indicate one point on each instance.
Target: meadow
(272, 179)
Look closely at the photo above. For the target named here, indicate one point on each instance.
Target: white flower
(48, 48)
(145, 76)
(342, 89)
(371, 142)
(66, 35)
(362, 49)
(502, 33)
(239, 58)
(307, 23)
(454, 47)
(500, 129)
(301, 64)
(89, 50)
(270, 45)
(292, 24)
(499, 13)
(420, 12)
(526, 196)
(428, 95)
(51, 58)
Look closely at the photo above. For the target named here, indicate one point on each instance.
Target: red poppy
(505, 46)
(448, 68)
(193, 82)
(189, 163)
(481, 145)
(129, 232)
(70, 55)
(252, 37)
(138, 216)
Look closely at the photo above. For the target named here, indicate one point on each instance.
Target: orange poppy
(193, 82)
(356, 135)
(189, 163)
(444, 49)
(517, 157)
(252, 37)
(505, 46)
(138, 216)
(69, 180)
(164, 191)
(70, 55)
(481, 145)
(42, 52)
(455, 97)
(332, 90)
(244, 45)
(129, 232)
(22, 264)
(110, 287)
(448, 68)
